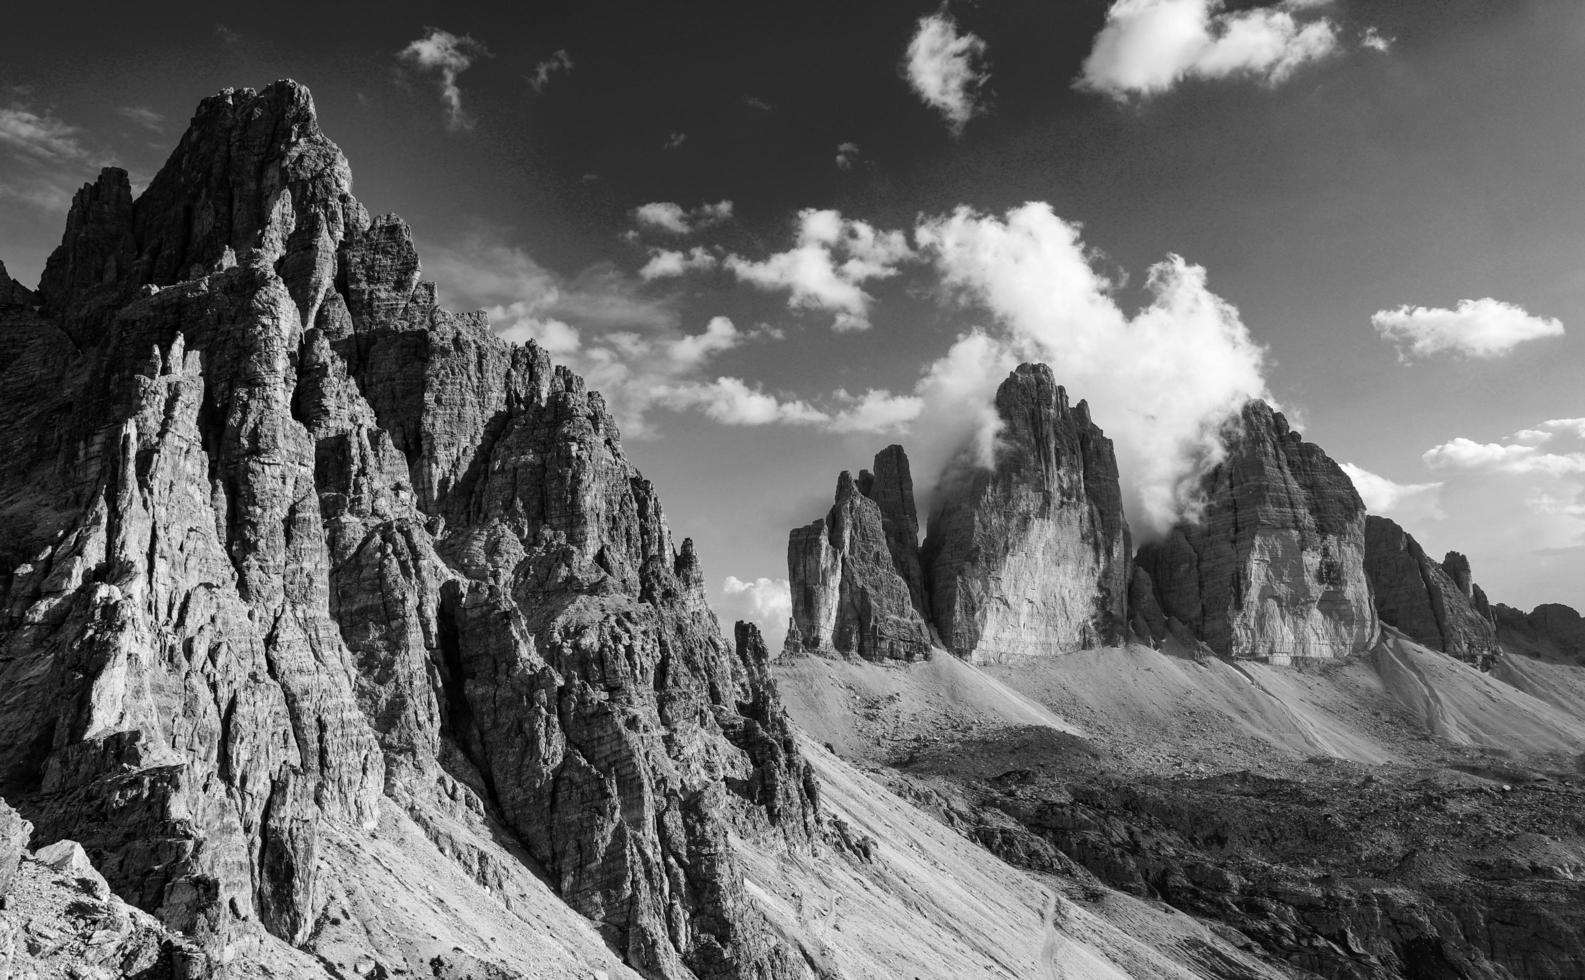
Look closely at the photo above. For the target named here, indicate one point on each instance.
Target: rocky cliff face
(1433, 603)
(1031, 555)
(285, 544)
(857, 585)
(1275, 567)
(1551, 631)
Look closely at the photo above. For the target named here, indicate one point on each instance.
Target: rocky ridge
(1028, 555)
(858, 589)
(1274, 569)
(1435, 604)
(288, 544)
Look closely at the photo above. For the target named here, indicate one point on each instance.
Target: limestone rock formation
(14, 835)
(857, 585)
(1433, 604)
(1551, 631)
(1275, 568)
(288, 549)
(1031, 555)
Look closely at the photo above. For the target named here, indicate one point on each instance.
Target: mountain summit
(297, 557)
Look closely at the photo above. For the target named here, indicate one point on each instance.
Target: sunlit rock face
(858, 589)
(1031, 555)
(287, 546)
(1435, 604)
(1275, 567)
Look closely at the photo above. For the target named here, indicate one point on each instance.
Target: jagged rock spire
(1031, 555)
(1274, 569)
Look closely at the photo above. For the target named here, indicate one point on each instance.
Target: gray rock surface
(283, 541)
(1031, 555)
(1551, 631)
(856, 582)
(1275, 567)
(14, 836)
(1432, 603)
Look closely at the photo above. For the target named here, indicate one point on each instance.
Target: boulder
(14, 835)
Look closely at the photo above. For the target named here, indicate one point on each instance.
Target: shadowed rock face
(857, 586)
(1275, 567)
(1551, 630)
(1433, 604)
(280, 537)
(1031, 555)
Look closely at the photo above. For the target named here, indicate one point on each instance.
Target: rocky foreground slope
(294, 556)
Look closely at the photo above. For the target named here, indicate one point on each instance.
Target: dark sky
(1448, 167)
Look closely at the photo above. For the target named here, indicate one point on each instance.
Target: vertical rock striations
(1433, 604)
(1274, 569)
(1032, 554)
(285, 543)
(857, 586)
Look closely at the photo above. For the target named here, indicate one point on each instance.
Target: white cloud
(831, 259)
(946, 69)
(1491, 457)
(674, 141)
(448, 56)
(1477, 328)
(558, 61)
(1375, 40)
(671, 217)
(1148, 46)
(668, 263)
(732, 401)
(847, 156)
(1160, 381)
(765, 602)
(875, 411)
(1406, 502)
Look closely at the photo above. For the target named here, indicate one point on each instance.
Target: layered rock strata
(1275, 567)
(857, 585)
(282, 538)
(1434, 604)
(1031, 555)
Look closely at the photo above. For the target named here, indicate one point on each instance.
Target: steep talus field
(1372, 817)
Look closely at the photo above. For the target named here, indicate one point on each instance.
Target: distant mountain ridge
(1030, 554)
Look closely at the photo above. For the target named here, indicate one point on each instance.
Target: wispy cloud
(1483, 328)
(447, 56)
(668, 216)
(558, 61)
(49, 158)
(226, 34)
(946, 69)
(674, 141)
(40, 136)
(665, 263)
(1404, 501)
(755, 102)
(143, 116)
(1146, 47)
(847, 155)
